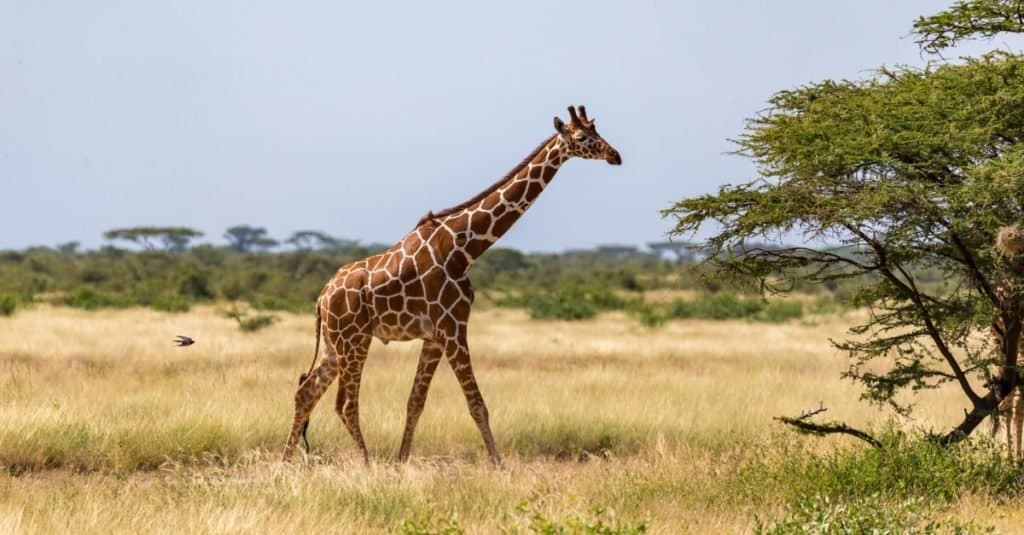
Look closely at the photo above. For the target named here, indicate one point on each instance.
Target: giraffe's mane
(493, 187)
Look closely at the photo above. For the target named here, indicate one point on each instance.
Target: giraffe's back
(408, 291)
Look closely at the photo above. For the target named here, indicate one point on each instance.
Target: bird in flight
(183, 341)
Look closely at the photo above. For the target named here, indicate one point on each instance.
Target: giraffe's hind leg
(347, 404)
(430, 356)
(309, 393)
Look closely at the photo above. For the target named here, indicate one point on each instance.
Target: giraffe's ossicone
(419, 289)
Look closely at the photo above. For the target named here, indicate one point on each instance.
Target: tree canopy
(973, 19)
(246, 239)
(174, 239)
(911, 171)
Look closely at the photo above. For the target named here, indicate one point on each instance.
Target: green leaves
(901, 181)
(969, 20)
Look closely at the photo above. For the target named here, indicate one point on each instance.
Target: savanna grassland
(604, 424)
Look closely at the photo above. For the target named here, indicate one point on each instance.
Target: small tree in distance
(173, 239)
(909, 171)
(307, 240)
(247, 239)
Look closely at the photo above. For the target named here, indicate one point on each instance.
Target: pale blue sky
(357, 118)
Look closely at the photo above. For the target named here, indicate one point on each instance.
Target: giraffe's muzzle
(614, 158)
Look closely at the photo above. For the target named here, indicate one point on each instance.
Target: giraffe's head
(581, 138)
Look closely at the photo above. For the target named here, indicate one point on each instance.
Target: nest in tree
(1010, 241)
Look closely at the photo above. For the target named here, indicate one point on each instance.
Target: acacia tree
(679, 250)
(174, 239)
(246, 239)
(308, 240)
(910, 171)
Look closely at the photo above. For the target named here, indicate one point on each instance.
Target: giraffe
(1010, 411)
(419, 289)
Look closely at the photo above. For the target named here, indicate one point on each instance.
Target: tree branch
(805, 426)
(915, 296)
(968, 259)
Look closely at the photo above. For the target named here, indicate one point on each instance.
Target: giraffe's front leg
(308, 394)
(430, 356)
(457, 352)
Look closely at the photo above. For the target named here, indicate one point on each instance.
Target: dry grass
(109, 427)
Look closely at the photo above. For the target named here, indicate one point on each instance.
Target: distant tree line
(165, 268)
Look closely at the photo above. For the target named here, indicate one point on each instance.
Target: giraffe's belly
(403, 327)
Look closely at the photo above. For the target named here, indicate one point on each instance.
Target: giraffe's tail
(316, 347)
(304, 376)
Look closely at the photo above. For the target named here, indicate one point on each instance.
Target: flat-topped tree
(248, 239)
(679, 250)
(307, 240)
(173, 239)
(910, 170)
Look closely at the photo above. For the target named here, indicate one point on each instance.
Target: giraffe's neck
(480, 222)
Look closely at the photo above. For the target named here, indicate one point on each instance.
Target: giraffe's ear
(559, 126)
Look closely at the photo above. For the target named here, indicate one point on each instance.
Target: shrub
(257, 322)
(726, 306)
(827, 305)
(232, 288)
(192, 280)
(145, 293)
(290, 304)
(822, 515)
(567, 302)
(87, 298)
(170, 303)
(648, 315)
(903, 468)
(8, 303)
(718, 306)
(894, 489)
(781, 311)
(249, 323)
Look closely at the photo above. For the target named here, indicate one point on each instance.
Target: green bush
(190, 279)
(232, 288)
(647, 314)
(899, 488)
(727, 306)
(246, 322)
(828, 305)
(717, 306)
(902, 468)
(257, 322)
(170, 303)
(567, 302)
(584, 301)
(780, 311)
(873, 514)
(87, 298)
(290, 304)
(8, 304)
